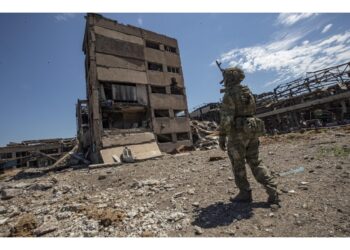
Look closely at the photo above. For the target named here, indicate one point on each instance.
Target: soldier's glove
(222, 142)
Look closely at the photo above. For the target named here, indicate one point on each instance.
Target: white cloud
(290, 58)
(140, 21)
(288, 19)
(64, 16)
(326, 28)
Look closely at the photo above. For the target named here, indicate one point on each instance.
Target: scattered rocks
(231, 232)
(274, 207)
(198, 230)
(147, 234)
(45, 228)
(10, 193)
(338, 166)
(3, 221)
(303, 185)
(191, 191)
(216, 158)
(169, 196)
(176, 216)
(41, 186)
(24, 226)
(178, 194)
(3, 210)
(65, 189)
(102, 177)
(63, 215)
(74, 207)
(195, 204)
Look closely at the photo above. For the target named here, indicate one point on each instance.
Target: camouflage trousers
(243, 148)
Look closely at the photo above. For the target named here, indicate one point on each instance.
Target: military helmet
(234, 74)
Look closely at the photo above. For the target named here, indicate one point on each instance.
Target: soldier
(243, 129)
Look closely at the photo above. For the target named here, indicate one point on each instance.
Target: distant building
(321, 98)
(134, 84)
(207, 112)
(34, 153)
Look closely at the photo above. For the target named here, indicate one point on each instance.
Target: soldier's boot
(243, 196)
(273, 197)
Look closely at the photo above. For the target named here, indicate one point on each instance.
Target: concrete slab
(113, 140)
(140, 152)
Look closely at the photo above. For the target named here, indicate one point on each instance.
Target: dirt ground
(186, 195)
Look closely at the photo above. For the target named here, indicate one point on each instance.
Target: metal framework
(319, 83)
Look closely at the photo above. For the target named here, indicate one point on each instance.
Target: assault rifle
(221, 69)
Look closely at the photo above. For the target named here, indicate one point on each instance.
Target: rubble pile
(205, 134)
(188, 195)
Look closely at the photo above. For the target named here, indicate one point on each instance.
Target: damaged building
(207, 112)
(34, 153)
(321, 98)
(135, 89)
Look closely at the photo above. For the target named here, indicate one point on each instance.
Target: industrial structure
(135, 92)
(207, 112)
(321, 98)
(34, 153)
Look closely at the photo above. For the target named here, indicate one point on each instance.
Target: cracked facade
(134, 84)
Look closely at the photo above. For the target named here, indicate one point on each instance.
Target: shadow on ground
(221, 214)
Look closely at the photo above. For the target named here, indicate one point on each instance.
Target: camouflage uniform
(243, 129)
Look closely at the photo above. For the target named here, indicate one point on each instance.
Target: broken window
(161, 113)
(173, 69)
(158, 89)
(179, 113)
(49, 151)
(155, 66)
(125, 120)
(21, 154)
(163, 138)
(182, 136)
(108, 94)
(174, 88)
(170, 49)
(120, 92)
(85, 119)
(152, 45)
(6, 155)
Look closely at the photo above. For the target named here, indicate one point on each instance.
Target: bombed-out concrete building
(321, 98)
(207, 112)
(34, 153)
(135, 91)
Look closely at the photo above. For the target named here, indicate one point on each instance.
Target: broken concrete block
(9, 193)
(41, 186)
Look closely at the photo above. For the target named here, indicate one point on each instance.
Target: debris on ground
(187, 195)
(205, 134)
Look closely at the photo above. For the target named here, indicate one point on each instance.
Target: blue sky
(42, 63)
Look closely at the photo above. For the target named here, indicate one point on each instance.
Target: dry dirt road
(187, 195)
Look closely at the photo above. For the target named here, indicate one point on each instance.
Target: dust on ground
(188, 195)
